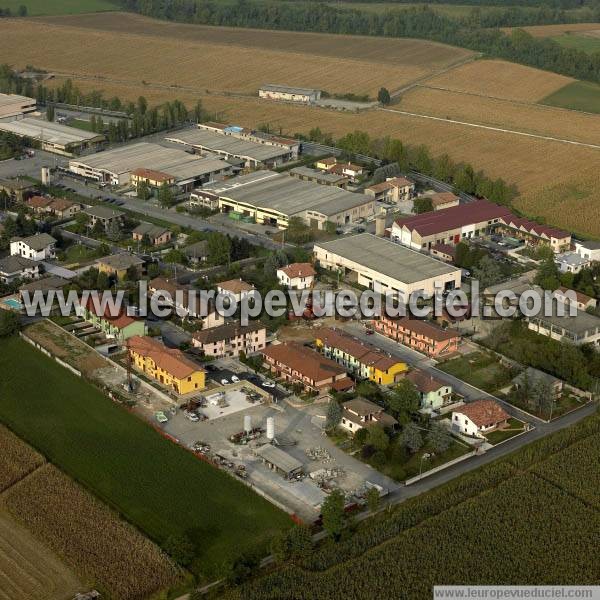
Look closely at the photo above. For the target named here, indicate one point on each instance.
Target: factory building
(53, 137)
(13, 106)
(152, 163)
(384, 266)
(234, 147)
(287, 93)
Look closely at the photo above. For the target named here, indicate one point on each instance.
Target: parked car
(191, 416)
(235, 378)
(224, 381)
(161, 417)
(268, 384)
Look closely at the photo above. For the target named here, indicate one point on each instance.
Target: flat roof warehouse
(232, 147)
(120, 162)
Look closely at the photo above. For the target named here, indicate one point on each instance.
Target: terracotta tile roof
(391, 183)
(299, 270)
(226, 332)
(534, 228)
(120, 321)
(432, 223)
(484, 412)
(170, 360)
(441, 198)
(38, 202)
(152, 175)
(343, 385)
(445, 249)
(235, 286)
(363, 352)
(424, 382)
(426, 329)
(60, 204)
(330, 160)
(305, 361)
(581, 297)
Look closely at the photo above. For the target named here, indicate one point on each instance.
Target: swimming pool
(13, 303)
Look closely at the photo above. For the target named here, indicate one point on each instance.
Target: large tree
(332, 511)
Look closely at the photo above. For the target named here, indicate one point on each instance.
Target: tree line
(479, 32)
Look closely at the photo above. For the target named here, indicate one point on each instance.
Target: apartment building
(231, 339)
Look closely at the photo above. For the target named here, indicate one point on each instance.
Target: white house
(36, 247)
(588, 250)
(17, 267)
(477, 418)
(571, 262)
(360, 413)
(297, 276)
(237, 289)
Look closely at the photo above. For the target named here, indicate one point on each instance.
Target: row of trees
(481, 33)
(21, 12)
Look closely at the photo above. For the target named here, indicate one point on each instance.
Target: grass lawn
(160, 487)
(514, 428)
(479, 369)
(59, 7)
(80, 124)
(579, 95)
(578, 42)
(567, 403)
(79, 252)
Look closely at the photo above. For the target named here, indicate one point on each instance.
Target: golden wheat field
(529, 118)
(501, 79)
(18, 458)
(28, 570)
(216, 64)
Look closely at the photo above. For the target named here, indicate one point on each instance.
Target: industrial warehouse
(382, 265)
(254, 154)
(13, 106)
(117, 166)
(53, 137)
(273, 198)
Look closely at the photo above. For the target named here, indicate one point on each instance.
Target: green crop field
(158, 486)
(58, 7)
(579, 95)
(579, 42)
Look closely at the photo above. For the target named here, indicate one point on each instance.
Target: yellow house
(118, 264)
(167, 366)
(155, 179)
(359, 358)
(325, 163)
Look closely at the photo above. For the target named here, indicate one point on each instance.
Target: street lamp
(425, 456)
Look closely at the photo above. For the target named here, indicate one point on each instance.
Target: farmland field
(559, 29)
(18, 459)
(58, 7)
(579, 95)
(28, 569)
(501, 79)
(90, 536)
(455, 533)
(209, 59)
(584, 42)
(158, 486)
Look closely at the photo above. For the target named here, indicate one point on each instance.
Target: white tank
(45, 175)
(270, 428)
(247, 423)
(380, 225)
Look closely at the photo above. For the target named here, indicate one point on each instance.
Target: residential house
(197, 252)
(18, 189)
(117, 265)
(589, 250)
(38, 204)
(443, 200)
(324, 164)
(155, 234)
(120, 327)
(531, 379)
(153, 179)
(40, 246)
(359, 358)
(41, 286)
(169, 367)
(18, 267)
(231, 339)
(62, 208)
(236, 289)
(445, 252)
(567, 296)
(350, 170)
(419, 335)
(434, 393)
(298, 364)
(477, 418)
(297, 276)
(104, 215)
(571, 262)
(360, 413)
(186, 301)
(392, 190)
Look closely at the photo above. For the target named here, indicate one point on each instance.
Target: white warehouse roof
(53, 133)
